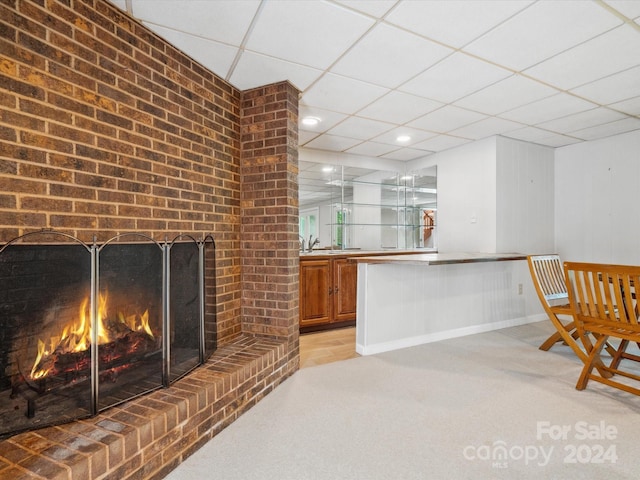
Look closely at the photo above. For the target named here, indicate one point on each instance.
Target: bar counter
(407, 300)
(442, 258)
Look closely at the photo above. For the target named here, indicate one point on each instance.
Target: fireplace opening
(86, 327)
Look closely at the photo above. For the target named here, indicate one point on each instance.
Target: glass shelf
(395, 225)
(382, 210)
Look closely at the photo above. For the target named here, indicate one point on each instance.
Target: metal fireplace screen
(83, 328)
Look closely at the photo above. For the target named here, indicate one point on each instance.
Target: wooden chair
(603, 301)
(548, 279)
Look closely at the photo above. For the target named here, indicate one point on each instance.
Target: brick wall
(269, 206)
(105, 128)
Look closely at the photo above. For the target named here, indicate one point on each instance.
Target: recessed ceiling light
(310, 121)
(327, 169)
(403, 138)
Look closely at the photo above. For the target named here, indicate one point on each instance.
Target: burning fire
(76, 336)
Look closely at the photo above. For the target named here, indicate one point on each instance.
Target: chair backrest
(548, 278)
(603, 296)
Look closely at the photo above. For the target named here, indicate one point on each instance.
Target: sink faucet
(301, 243)
(312, 243)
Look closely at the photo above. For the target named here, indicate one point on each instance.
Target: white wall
(525, 197)
(467, 197)
(597, 196)
(495, 195)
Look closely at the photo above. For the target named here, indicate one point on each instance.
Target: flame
(76, 336)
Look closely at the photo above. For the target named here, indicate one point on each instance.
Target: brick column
(269, 213)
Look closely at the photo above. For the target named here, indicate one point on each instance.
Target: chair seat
(562, 309)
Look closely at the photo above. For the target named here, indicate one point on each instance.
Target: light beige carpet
(487, 406)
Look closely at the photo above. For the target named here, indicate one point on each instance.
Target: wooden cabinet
(316, 292)
(328, 286)
(345, 281)
(327, 292)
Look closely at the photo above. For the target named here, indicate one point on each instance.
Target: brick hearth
(150, 436)
(105, 128)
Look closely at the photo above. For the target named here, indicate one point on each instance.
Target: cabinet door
(316, 292)
(345, 279)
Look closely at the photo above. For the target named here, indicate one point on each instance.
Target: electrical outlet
(519, 289)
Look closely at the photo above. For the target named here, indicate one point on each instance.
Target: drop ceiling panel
(446, 119)
(398, 70)
(372, 149)
(528, 134)
(453, 23)
(630, 107)
(227, 22)
(578, 121)
(454, 77)
(556, 106)
(559, 26)
(406, 154)
(327, 118)
(255, 69)
(612, 89)
(375, 8)
(361, 128)
(506, 95)
(615, 51)
(416, 136)
(342, 94)
(333, 143)
(441, 142)
(556, 140)
(629, 8)
(486, 127)
(614, 128)
(386, 56)
(298, 31)
(305, 136)
(399, 107)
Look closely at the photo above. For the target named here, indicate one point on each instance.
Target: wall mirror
(355, 208)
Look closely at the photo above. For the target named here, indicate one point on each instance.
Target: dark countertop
(441, 258)
(363, 253)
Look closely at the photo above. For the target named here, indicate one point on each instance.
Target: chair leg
(557, 336)
(618, 354)
(551, 341)
(562, 331)
(592, 360)
(598, 363)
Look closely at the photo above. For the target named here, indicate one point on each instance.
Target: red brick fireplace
(105, 129)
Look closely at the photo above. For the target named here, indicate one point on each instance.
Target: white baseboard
(446, 334)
